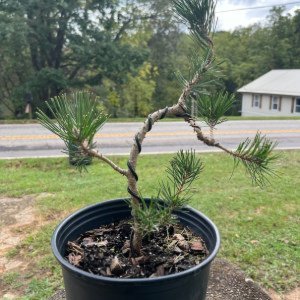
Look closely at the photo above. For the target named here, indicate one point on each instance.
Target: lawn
(259, 227)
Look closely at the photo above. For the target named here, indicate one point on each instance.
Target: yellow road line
(155, 134)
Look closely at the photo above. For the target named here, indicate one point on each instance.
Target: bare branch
(255, 155)
(100, 156)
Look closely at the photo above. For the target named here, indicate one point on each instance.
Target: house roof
(275, 82)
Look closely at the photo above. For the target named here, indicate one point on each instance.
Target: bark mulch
(106, 251)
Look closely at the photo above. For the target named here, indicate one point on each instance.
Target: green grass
(259, 227)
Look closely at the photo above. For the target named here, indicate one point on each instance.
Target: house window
(297, 105)
(275, 103)
(256, 101)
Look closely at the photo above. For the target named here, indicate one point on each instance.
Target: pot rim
(64, 263)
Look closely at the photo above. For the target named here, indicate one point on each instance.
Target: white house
(276, 93)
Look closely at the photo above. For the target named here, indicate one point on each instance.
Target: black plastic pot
(80, 285)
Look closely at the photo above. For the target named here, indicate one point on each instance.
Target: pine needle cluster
(76, 119)
(198, 16)
(174, 193)
(257, 156)
(212, 108)
(183, 170)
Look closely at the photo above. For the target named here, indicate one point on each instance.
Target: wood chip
(160, 271)
(183, 245)
(172, 244)
(116, 266)
(87, 241)
(177, 250)
(139, 260)
(102, 243)
(178, 237)
(74, 259)
(108, 271)
(197, 245)
(177, 259)
(75, 248)
(126, 245)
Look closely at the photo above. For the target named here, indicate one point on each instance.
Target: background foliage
(125, 52)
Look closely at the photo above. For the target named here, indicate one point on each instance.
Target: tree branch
(100, 156)
(212, 143)
(177, 110)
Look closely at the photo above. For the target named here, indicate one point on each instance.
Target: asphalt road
(32, 140)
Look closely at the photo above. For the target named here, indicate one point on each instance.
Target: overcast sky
(231, 20)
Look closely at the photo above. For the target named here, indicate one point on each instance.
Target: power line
(258, 7)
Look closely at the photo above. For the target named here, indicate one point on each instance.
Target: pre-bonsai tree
(77, 120)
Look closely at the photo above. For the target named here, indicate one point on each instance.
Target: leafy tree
(138, 91)
(279, 42)
(113, 100)
(160, 34)
(14, 66)
(67, 43)
(252, 51)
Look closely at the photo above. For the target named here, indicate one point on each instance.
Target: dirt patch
(13, 210)
(293, 295)
(18, 218)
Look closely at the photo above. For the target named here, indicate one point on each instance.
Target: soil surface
(292, 295)
(18, 219)
(16, 214)
(107, 251)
